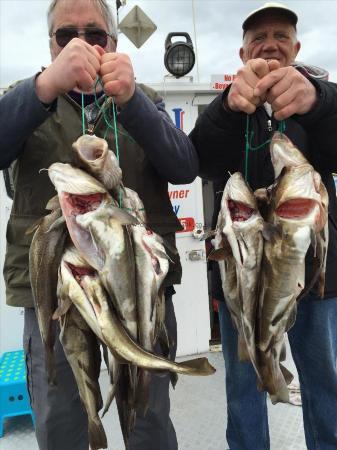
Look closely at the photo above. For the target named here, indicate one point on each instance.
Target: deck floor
(198, 411)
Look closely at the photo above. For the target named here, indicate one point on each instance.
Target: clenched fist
(242, 94)
(76, 67)
(117, 77)
(288, 91)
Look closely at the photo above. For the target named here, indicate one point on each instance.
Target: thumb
(273, 64)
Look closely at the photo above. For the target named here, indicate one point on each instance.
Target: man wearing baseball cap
(269, 88)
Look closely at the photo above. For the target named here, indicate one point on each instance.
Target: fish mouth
(79, 272)
(297, 208)
(91, 154)
(83, 203)
(80, 275)
(239, 211)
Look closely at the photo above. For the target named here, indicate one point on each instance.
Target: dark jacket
(152, 152)
(219, 138)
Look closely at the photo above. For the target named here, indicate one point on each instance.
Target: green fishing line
(249, 136)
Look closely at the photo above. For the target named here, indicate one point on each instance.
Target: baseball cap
(269, 6)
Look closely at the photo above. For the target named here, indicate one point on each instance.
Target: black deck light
(179, 56)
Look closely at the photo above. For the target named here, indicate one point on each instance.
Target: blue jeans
(313, 341)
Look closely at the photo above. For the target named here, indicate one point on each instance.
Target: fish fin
(34, 227)
(100, 254)
(173, 379)
(110, 397)
(121, 215)
(54, 203)
(165, 243)
(207, 235)
(62, 309)
(288, 376)
(106, 356)
(218, 254)
(58, 223)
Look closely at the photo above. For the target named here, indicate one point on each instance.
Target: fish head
(90, 147)
(241, 217)
(93, 154)
(239, 203)
(284, 153)
(297, 197)
(79, 193)
(80, 283)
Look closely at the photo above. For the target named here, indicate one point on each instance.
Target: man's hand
(288, 92)
(242, 94)
(117, 77)
(76, 67)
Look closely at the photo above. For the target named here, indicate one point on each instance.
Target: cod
(297, 217)
(239, 236)
(45, 255)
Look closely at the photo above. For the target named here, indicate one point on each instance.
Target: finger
(259, 67)
(109, 67)
(285, 112)
(283, 100)
(244, 105)
(111, 56)
(85, 82)
(112, 87)
(268, 81)
(86, 68)
(278, 90)
(93, 65)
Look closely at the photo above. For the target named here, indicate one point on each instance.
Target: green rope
(103, 111)
(116, 144)
(114, 126)
(249, 135)
(83, 116)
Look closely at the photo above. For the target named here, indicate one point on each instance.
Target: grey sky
(24, 42)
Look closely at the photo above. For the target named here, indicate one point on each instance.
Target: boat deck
(198, 411)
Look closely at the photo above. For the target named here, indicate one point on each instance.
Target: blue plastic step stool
(14, 398)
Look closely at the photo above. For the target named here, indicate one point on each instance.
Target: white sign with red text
(221, 82)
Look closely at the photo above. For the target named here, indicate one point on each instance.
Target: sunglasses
(92, 35)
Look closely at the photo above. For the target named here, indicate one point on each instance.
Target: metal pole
(195, 41)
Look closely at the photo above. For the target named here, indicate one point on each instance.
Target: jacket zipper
(269, 125)
(90, 126)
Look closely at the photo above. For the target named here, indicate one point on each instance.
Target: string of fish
(103, 110)
(248, 142)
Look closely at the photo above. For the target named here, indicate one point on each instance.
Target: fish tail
(110, 397)
(198, 366)
(97, 436)
(273, 377)
(243, 353)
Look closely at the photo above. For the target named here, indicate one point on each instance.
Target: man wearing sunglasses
(153, 152)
